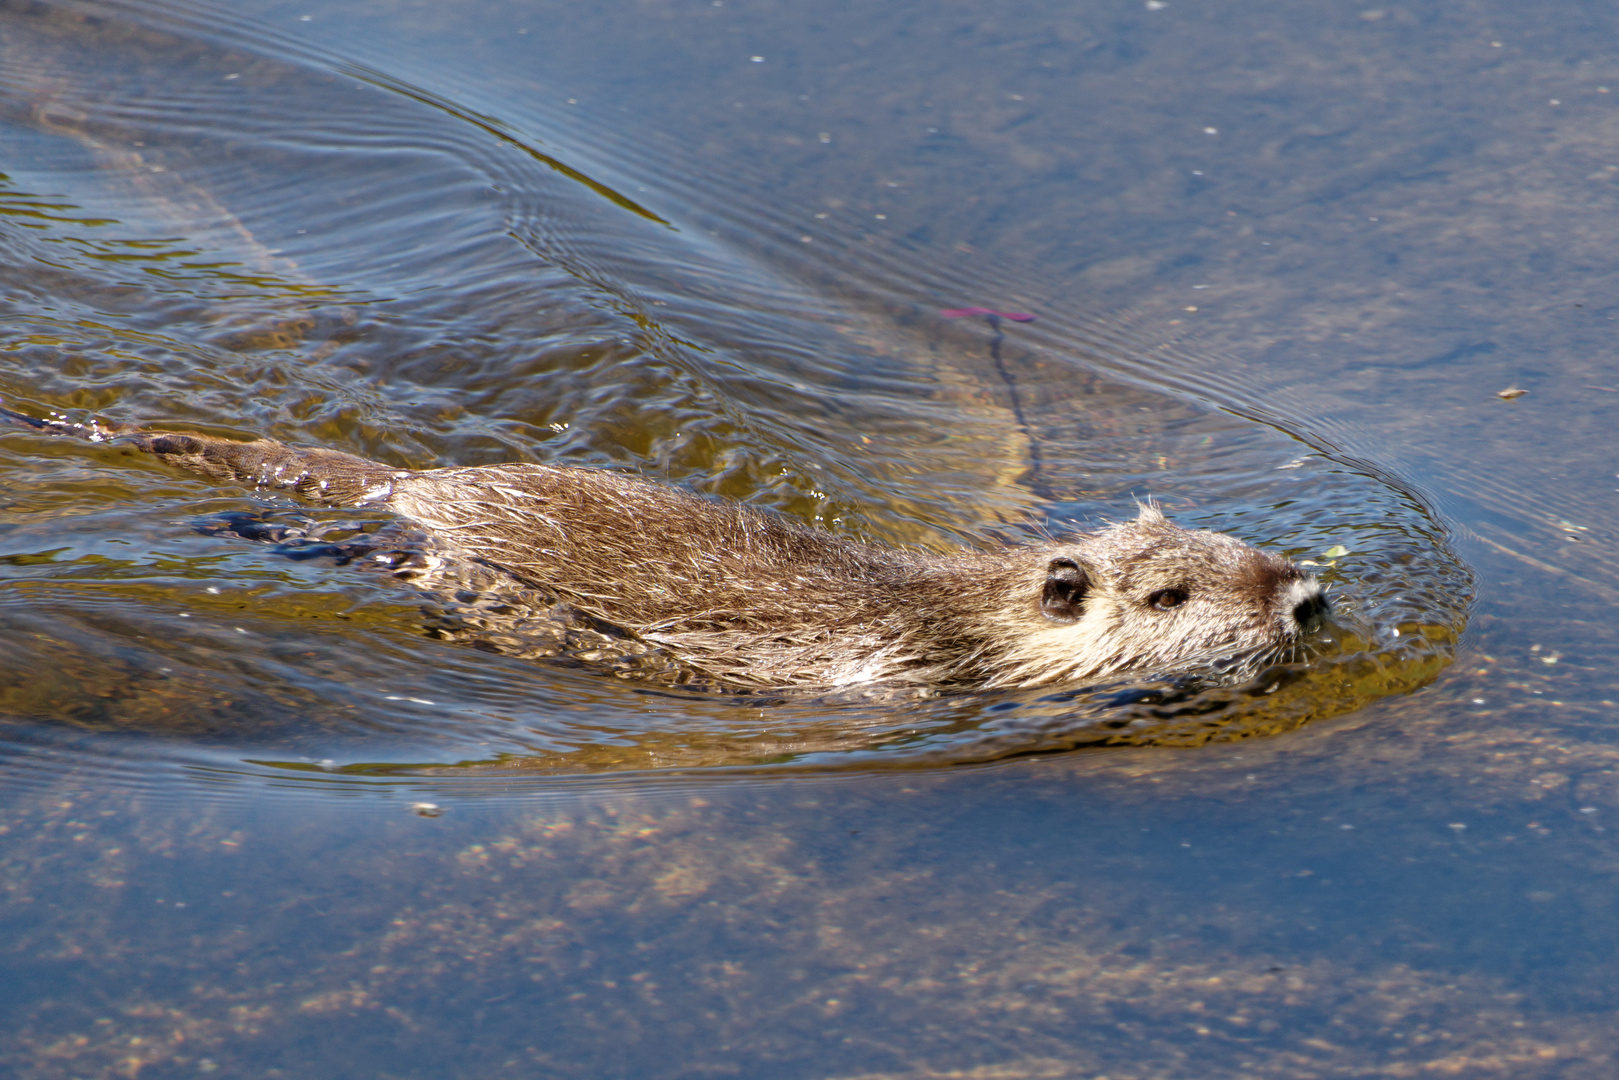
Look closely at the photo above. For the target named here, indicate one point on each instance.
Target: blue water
(257, 822)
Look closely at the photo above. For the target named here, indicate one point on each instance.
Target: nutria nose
(1310, 612)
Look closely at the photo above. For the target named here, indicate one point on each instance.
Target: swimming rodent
(751, 601)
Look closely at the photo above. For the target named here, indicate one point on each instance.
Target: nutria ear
(1063, 599)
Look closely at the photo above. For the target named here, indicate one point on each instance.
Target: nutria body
(749, 599)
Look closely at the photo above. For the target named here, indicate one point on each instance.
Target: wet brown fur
(753, 600)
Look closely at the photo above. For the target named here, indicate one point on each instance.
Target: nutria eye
(1166, 599)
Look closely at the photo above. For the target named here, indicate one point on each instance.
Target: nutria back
(754, 599)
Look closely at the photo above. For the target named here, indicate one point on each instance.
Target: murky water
(262, 819)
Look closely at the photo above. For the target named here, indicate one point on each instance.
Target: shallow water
(1281, 260)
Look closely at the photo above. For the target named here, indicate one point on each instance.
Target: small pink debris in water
(968, 312)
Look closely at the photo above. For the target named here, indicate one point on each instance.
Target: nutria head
(1147, 595)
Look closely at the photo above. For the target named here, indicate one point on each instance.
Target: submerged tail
(326, 476)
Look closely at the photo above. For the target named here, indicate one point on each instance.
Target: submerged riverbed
(262, 817)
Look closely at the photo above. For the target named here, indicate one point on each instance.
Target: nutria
(751, 600)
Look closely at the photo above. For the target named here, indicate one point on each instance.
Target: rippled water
(334, 257)
(711, 244)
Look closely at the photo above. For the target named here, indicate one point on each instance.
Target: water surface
(1281, 260)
